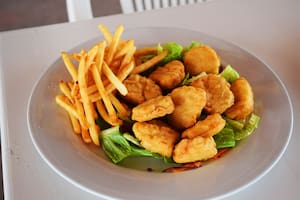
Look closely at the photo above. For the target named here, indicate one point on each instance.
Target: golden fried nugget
(218, 93)
(201, 59)
(243, 100)
(169, 75)
(156, 136)
(208, 127)
(189, 102)
(153, 108)
(196, 149)
(140, 89)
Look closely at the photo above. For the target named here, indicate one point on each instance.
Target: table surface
(269, 29)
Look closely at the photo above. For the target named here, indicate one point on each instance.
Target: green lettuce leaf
(229, 74)
(250, 125)
(225, 138)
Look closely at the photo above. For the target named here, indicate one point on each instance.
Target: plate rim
(228, 193)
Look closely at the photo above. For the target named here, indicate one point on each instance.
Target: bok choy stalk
(250, 125)
(230, 74)
(117, 146)
(225, 138)
(236, 130)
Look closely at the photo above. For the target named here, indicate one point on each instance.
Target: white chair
(79, 10)
(82, 9)
(130, 6)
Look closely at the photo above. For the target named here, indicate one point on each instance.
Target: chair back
(79, 10)
(82, 9)
(130, 6)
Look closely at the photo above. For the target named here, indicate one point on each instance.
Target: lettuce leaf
(192, 45)
(174, 51)
(229, 74)
(225, 138)
(250, 125)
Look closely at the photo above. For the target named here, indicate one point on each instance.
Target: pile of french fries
(96, 76)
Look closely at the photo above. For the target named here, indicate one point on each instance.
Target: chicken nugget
(140, 89)
(201, 59)
(208, 127)
(168, 76)
(156, 136)
(189, 102)
(153, 108)
(218, 93)
(243, 100)
(196, 149)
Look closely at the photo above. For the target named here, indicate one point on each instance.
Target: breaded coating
(153, 108)
(196, 149)
(156, 136)
(140, 89)
(243, 100)
(201, 59)
(168, 76)
(189, 102)
(208, 127)
(218, 93)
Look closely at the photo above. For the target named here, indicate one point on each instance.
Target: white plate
(88, 168)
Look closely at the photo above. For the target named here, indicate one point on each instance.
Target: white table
(269, 29)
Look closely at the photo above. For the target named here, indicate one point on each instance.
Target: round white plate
(87, 167)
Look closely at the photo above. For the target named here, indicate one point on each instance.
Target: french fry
(64, 88)
(82, 53)
(128, 56)
(87, 105)
(126, 70)
(121, 75)
(86, 136)
(95, 97)
(114, 121)
(76, 56)
(119, 106)
(105, 81)
(109, 107)
(92, 89)
(150, 63)
(95, 114)
(99, 72)
(106, 33)
(64, 102)
(81, 116)
(70, 85)
(114, 80)
(138, 61)
(75, 124)
(91, 56)
(89, 78)
(122, 43)
(115, 64)
(146, 51)
(74, 89)
(100, 55)
(114, 43)
(70, 66)
(124, 49)
(96, 71)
